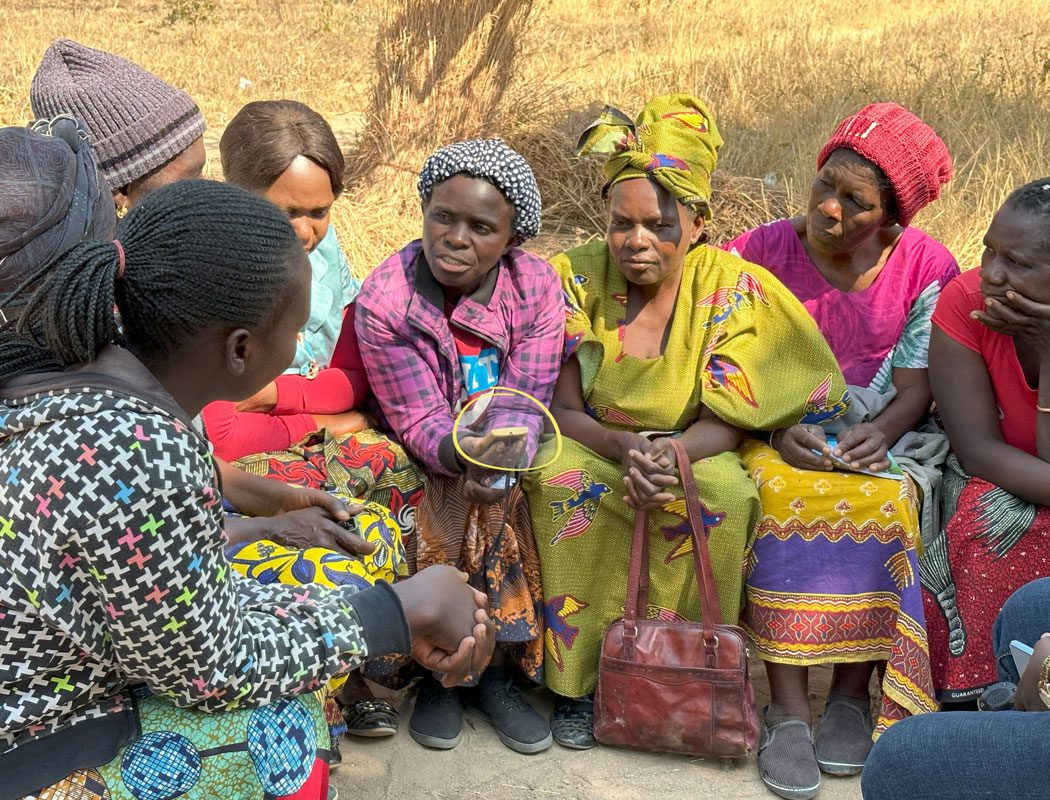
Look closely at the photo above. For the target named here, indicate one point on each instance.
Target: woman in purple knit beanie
(145, 132)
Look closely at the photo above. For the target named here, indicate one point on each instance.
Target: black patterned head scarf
(51, 198)
(493, 161)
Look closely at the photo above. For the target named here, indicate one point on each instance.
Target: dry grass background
(398, 78)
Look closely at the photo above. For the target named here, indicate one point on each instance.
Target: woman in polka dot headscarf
(441, 323)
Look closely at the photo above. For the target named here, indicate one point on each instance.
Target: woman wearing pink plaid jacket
(440, 324)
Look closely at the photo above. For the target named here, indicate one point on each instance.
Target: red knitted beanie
(904, 147)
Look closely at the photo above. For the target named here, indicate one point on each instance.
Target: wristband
(1044, 683)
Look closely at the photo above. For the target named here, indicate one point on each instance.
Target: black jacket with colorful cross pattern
(112, 570)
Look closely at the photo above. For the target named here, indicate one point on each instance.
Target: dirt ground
(481, 768)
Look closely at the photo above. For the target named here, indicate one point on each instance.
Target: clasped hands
(452, 632)
(649, 471)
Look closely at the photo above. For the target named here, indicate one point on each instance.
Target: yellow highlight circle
(527, 396)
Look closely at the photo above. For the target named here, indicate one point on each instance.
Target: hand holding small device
(498, 448)
(893, 471)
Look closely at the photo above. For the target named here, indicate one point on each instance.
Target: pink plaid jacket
(410, 355)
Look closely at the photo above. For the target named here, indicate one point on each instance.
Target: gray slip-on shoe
(786, 760)
(844, 740)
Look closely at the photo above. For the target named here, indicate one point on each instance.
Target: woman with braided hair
(122, 619)
(148, 134)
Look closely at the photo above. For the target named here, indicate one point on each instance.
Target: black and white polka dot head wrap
(493, 161)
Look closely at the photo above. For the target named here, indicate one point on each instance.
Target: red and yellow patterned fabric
(365, 466)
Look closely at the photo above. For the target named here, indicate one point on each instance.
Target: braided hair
(20, 353)
(195, 254)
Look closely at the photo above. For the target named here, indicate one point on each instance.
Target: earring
(122, 211)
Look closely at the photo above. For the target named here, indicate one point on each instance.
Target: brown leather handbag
(672, 686)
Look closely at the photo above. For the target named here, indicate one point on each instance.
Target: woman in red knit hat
(833, 577)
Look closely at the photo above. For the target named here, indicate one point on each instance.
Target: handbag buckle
(630, 630)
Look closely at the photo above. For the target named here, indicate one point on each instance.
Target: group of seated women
(236, 479)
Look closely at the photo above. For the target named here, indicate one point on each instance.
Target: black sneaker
(572, 723)
(499, 701)
(437, 719)
(335, 757)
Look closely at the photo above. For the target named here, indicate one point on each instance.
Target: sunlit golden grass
(399, 78)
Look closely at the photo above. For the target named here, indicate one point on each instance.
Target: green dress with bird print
(739, 344)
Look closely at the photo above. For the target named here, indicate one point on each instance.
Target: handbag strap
(710, 607)
(638, 577)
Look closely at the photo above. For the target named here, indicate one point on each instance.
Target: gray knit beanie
(136, 121)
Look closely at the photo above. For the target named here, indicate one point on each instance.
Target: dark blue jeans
(967, 755)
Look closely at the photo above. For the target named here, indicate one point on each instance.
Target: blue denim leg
(1025, 616)
(963, 755)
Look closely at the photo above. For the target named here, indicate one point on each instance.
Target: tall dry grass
(402, 77)
(439, 75)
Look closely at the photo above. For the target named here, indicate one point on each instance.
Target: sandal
(372, 719)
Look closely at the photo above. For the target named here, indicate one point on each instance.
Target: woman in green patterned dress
(666, 337)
